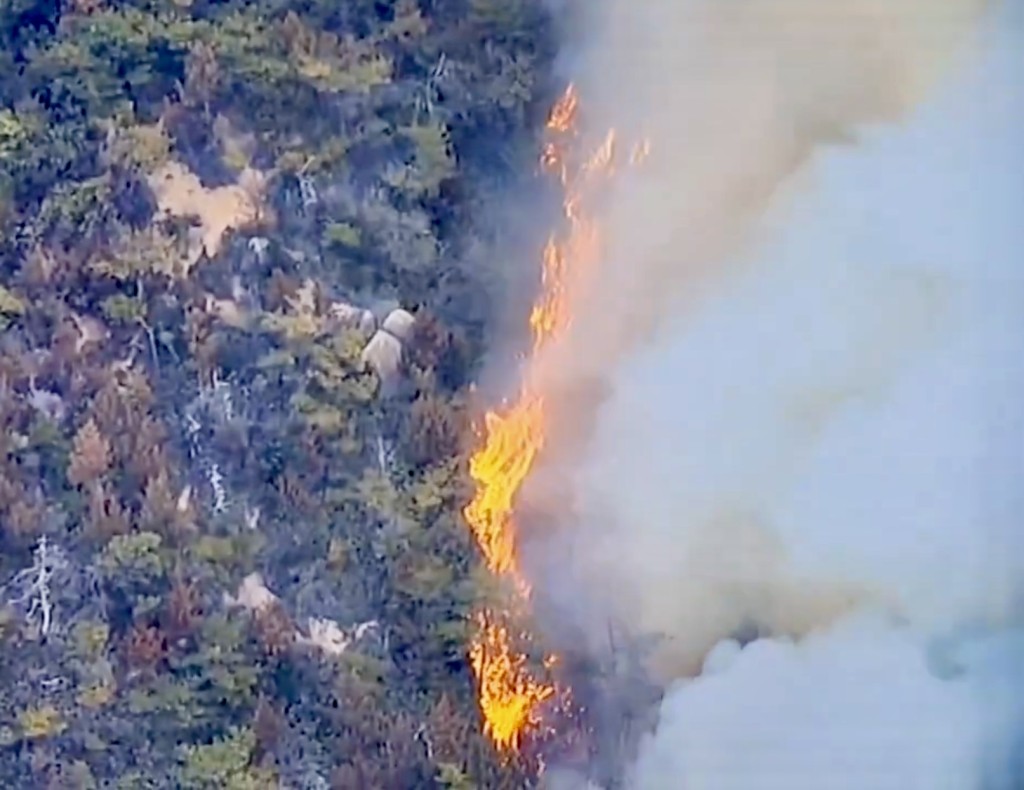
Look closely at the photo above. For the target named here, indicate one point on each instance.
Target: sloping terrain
(232, 549)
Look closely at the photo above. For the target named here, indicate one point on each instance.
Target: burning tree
(511, 695)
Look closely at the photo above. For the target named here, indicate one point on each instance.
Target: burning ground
(800, 344)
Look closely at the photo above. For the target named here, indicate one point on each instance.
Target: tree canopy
(232, 546)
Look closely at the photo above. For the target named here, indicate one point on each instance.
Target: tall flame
(509, 694)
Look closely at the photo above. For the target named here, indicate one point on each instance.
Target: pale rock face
(384, 351)
(384, 354)
(326, 635)
(252, 594)
(367, 323)
(330, 638)
(399, 323)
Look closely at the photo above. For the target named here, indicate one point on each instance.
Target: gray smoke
(857, 706)
(735, 97)
(813, 356)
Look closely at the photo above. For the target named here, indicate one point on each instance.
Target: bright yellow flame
(508, 693)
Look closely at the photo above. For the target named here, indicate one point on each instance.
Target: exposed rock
(367, 323)
(331, 638)
(180, 193)
(252, 594)
(399, 323)
(384, 354)
(384, 351)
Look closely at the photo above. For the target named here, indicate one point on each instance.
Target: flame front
(509, 694)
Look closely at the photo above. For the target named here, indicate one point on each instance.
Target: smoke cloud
(854, 707)
(810, 357)
(736, 97)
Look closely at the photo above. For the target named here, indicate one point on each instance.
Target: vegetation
(232, 550)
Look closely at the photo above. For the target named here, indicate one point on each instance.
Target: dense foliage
(195, 198)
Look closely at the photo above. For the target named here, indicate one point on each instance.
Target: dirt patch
(180, 193)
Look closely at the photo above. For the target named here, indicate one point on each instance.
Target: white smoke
(852, 708)
(735, 97)
(828, 443)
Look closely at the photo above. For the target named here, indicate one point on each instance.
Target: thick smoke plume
(735, 98)
(811, 359)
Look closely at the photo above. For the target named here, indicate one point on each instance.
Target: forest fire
(509, 693)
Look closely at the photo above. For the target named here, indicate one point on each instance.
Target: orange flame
(509, 695)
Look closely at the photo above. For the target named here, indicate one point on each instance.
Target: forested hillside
(247, 271)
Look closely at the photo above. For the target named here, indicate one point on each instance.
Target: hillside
(247, 276)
